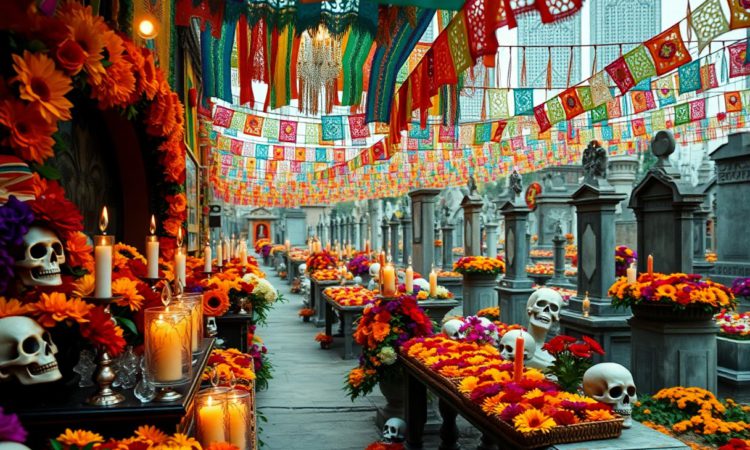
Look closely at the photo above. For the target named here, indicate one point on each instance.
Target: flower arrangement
(442, 293)
(261, 245)
(448, 274)
(741, 287)
(306, 313)
(350, 295)
(678, 289)
(359, 265)
(492, 313)
(532, 404)
(695, 415)
(539, 253)
(385, 446)
(479, 265)
(298, 255)
(324, 340)
(231, 366)
(624, 257)
(438, 243)
(145, 437)
(570, 238)
(278, 249)
(330, 275)
(733, 325)
(571, 251)
(321, 260)
(572, 359)
(711, 257)
(478, 331)
(457, 251)
(262, 366)
(384, 326)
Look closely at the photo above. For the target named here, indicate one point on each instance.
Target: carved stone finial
(471, 185)
(514, 183)
(594, 162)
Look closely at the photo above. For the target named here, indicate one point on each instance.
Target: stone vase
(479, 292)
(392, 389)
(266, 260)
(667, 312)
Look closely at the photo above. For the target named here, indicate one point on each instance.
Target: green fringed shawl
(357, 48)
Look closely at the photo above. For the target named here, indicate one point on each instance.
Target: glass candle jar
(194, 303)
(211, 416)
(241, 419)
(168, 345)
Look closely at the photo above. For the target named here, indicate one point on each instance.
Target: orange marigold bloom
(78, 251)
(177, 204)
(117, 84)
(30, 133)
(84, 286)
(380, 331)
(42, 84)
(151, 434)
(215, 302)
(79, 438)
(12, 307)
(222, 446)
(87, 30)
(55, 307)
(129, 290)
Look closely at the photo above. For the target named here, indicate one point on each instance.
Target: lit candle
(220, 253)
(518, 360)
(433, 283)
(632, 273)
(179, 260)
(389, 280)
(409, 281)
(650, 265)
(288, 245)
(103, 256)
(152, 251)
(367, 247)
(232, 247)
(586, 306)
(310, 246)
(243, 252)
(211, 422)
(165, 343)
(207, 256)
(238, 423)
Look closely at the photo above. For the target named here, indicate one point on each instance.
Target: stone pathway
(305, 404)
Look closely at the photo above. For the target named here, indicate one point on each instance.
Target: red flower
(70, 56)
(555, 345)
(563, 417)
(580, 350)
(102, 332)
(595, 347)
(734, 444)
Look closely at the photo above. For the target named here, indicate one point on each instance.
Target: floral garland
(321, 260)
(677, 289)
(733, 325)
(741, 287)
(385, 325)
(350, 295)
(480, 265)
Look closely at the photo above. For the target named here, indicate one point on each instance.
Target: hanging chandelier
(318, 68)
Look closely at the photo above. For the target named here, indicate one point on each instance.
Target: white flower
(263, 288)
(387, 356)
(442, 292)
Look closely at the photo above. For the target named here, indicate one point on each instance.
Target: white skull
(394, 430)
(12, 446)
(27, 351)
(452, 329)
(357, 280)
(43, 255)
(508, 345)
(374, 270)
(612, 384)
(301, 269)
(543, 308)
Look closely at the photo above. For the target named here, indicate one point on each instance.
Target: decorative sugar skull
(12, 446)
(301, 269)
(357, 280)
(394, 430)
(508, 345)
(374, 270)
(613, 384)
(27, 351)
(543, 308)
(43, 254)
(452, 328)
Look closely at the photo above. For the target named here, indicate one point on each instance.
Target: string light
(148, 26)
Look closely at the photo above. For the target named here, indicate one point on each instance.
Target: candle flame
(104, 220)
(179, 237)
(152, 225)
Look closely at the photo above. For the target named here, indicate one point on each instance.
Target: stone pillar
(341, 225)
(551, 208)
(332, 229)
(374, 219)
(732, 208)
(384, 233)
(447, 246)
(558, 256)
(621, 173)
(700, 265)
(515, 286)
(438, 251)
(423, 238)
(406, 238)
(394, 239)
(491, 229)
(362, 232)
(352, 231)
(472, 235)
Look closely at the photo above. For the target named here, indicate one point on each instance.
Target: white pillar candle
(179, 260)
(103, 259)
(152, 251)
(238, 424)
(433, 283)
(219, 254)
(632, 274)
(409, 281)
(211, 422)
(207, 258)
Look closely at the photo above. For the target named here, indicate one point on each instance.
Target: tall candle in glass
(211, 416)
(152, 251)
(240, 415)
(193, 302)
(168, 345)
(103, 245)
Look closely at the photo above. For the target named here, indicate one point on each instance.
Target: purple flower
(511, 411)
(11, 428)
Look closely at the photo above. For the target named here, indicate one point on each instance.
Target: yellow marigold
(534, 393)
(151, 435)
(12, 307)
(79, 438)
(84, 286)
(42, 84)
(533, 420)
(123, 253)
(55, 307)
(468, 384)
(184, 442)
(489, 404)
(598, 415)
(128, 289)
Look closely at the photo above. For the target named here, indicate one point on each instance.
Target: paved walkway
(305, 403)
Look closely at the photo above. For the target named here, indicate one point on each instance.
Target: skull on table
(612, 384)
(394, 431)
(27, 351)
(508, 345)
(42, 256)
(452, 329)
(543, 308)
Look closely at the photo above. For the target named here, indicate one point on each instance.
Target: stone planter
(267, 260)
(393, 391)
(306, 319)
(325, 345)
(667, 312)
(479, 292)
(733, 360)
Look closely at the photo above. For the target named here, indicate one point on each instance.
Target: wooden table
(316, 299)
(451, 403)
(47, 419)
(348, 315)
(233, 328)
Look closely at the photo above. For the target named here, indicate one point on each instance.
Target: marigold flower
(215, 302)
(43, 85)
(55, 307)
(30, 134)
(129, 290)
(12, 307)
(79, 438)
(151, 434)
(533, 420)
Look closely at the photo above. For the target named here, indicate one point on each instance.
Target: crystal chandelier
(318, 68)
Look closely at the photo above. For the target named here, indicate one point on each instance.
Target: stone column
(423, 237)
(352, 231)
(406, 238)
(362, 232)
(384, 232)
(438, 251)
(394, 239)
(491, 229)
(472, 235)
(515, 286)
(341, 225)
(621, 173)
(447, 246)
(331, 229)
(558, 256)
(700, 265)
(374, 220)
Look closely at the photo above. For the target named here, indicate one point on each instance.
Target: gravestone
(374, 219)
(447, 244)
(384, 227)
(491, 228)
(393, 239)
(596, 202)
(294, 227)
(423, 235)
(362, 231)
(515, 287)
(664, 204)
(406, 238)
(552, 208)
(621, 173)
(733, 208)
(472, 206)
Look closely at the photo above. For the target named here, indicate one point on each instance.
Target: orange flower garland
(479, 265)
(350, 295)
